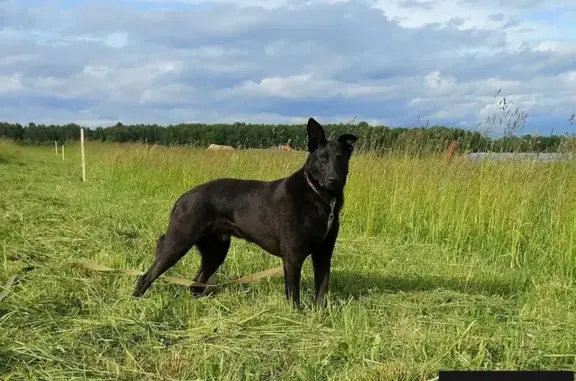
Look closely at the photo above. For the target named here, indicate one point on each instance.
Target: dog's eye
(323, 157)
(339, 156)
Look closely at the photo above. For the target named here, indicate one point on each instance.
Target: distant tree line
(242, 135)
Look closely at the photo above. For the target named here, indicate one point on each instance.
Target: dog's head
(328, 160)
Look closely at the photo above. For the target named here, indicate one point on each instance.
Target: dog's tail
(180, 198)
(160, 245)
(176, 203)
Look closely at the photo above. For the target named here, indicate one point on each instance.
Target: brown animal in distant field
(450, 152)
(282, 147)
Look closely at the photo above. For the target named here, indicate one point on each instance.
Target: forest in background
(243, 135)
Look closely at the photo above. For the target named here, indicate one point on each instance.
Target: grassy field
(461, 266)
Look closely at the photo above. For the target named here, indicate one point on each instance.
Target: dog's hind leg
(213, 249)
(169, 249)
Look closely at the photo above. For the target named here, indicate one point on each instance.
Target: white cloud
(10, 83)
(169, 61)
(307, 86)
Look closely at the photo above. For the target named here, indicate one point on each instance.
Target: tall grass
(518, 214)
(466, 265)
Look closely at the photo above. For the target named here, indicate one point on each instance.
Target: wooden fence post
(82, 153)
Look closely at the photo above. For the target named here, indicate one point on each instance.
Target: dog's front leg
(321, 261)
(292, 262)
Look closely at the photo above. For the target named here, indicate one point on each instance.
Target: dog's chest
(323, 221)
(330, 221)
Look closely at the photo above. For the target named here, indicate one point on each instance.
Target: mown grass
(461, 266)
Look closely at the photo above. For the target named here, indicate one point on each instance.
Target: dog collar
(312, 186)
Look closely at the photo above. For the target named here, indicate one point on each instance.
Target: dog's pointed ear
(316, 136)
(348, 140)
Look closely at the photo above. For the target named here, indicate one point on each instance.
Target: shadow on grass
(348, 284)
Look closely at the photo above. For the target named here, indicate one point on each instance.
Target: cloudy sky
(394, 62)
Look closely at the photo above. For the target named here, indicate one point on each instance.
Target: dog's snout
(331, 180)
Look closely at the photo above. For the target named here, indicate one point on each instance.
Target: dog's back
(254, 210)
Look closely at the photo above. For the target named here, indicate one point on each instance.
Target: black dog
(289, 218)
